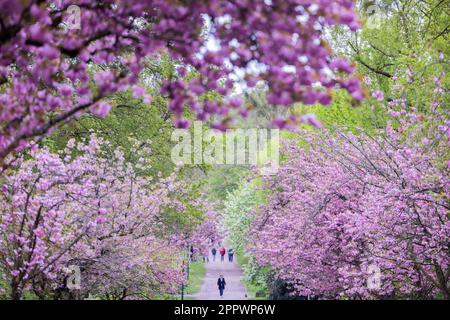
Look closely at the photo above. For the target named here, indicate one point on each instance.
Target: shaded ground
(232, 273)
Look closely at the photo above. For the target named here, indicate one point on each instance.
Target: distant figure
(221, 284)
(214, 251)
(230, 254)
(192, 253)
(222, 253)
(205, 256)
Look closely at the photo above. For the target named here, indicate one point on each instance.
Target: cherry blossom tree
(56, 65)
(87, 207)
(362, 215)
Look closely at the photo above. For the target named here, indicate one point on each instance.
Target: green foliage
(341, 113)
(237, 213)
(130, 118)
(255, 277)
(239, 208)
(222, 180)
(194, 213)
(398, 35)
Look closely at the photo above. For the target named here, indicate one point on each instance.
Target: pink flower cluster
(359, 215)
(49, 65)
(88, 207)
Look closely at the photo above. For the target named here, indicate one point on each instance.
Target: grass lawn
(197, 272)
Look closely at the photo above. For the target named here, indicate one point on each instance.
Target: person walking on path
(205, 256)
(235, 288)
(214, 251)
(221, 284)
(222, 253)
(192, 253)
(230, 254)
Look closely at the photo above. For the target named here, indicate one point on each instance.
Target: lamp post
(185, 266)
(182, 282)
(190, 252)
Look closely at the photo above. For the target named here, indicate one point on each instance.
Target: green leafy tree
(240, 207)
(398, 37)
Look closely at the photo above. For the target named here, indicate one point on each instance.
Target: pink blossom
(100, 109)
(378, 95)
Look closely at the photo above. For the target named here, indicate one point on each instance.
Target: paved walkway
(234, 290)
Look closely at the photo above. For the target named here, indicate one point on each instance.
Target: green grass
(197, 272)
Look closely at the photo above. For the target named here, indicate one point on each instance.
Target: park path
(234, 290)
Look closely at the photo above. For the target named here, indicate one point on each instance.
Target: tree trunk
(16, 292)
